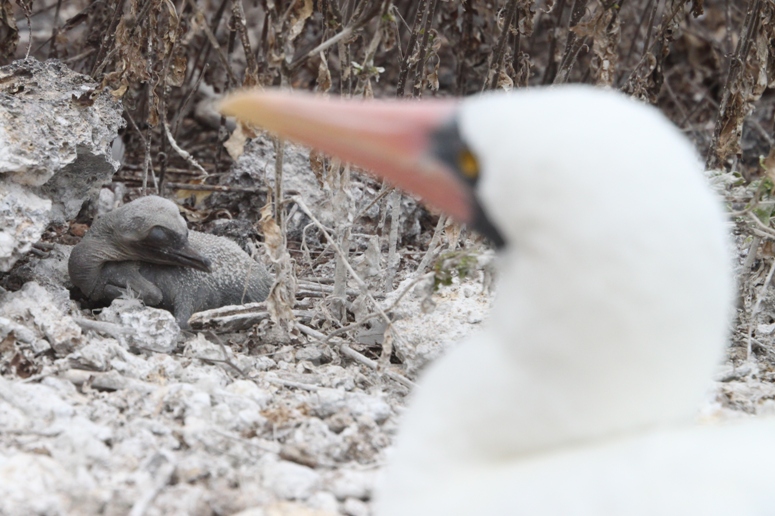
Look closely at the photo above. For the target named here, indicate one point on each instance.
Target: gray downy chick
(145, 247)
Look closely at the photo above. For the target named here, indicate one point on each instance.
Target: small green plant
(451, 264)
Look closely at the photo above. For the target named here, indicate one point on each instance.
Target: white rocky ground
(204, 427)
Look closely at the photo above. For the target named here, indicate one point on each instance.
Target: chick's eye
(156, 235)
(468, 164)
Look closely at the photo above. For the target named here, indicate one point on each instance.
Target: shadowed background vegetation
(706, 64)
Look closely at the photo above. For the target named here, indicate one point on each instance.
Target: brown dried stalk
(554, 35)
(497, 61)
(573, 44)
(251, 74)
(214, 43)
(419, 74)
(645, 79)
(464, 49)
(394, 201)
(407, 61)
(203, 51)
(738, 94)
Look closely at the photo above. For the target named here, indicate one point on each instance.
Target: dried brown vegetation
(706, 64)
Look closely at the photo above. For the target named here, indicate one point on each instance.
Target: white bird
(612, 311)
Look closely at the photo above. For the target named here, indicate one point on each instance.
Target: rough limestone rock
(142, 327)
(23, 218)
(49, 269)
(45, 313)
(55, 129)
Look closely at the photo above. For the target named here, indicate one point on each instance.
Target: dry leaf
(119, 92)
(153, 113)
(389, 32)
(177, 70)
(317, 162)
(745, 88)
(302, 9)
(331, 176)
(9, 33)
(433, 77)
(768, 164)
(171, 34)
(196, 198)
(283, 293)
(605, 48)
(504, 81)
(525, 14)
(452, 232)
(235, 145)
(697, 8)
(324, 75)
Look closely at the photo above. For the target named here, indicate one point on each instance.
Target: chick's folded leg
(123, 277)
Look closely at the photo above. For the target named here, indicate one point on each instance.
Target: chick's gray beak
(186, 256)
(182, 256)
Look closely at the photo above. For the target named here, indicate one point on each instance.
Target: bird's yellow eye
(468, 164)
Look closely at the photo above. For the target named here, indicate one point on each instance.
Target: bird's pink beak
(392, 139)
